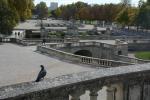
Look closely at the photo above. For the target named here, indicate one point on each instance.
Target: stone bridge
(95, 48)
(92, 52)
(123, 83)
(78, 59)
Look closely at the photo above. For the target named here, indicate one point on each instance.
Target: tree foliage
(81, 10)
(127, 16)
(41, 10)
(143, 17)
(7, 18)
(123, 17)
(12, 11)
(22, 7)
(136, 16)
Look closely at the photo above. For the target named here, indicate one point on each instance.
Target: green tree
(41, 10)
(123, 17)
(143, 18)
(22, 7)
(7, 18)
(132, 13)
(58, 12)
(83, 11)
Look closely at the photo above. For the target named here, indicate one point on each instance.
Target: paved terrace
(21, 64)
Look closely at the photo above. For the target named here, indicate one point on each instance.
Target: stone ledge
(110, 74)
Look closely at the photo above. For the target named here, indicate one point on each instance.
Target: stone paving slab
(21, 64)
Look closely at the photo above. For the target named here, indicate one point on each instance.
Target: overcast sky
(64, 2)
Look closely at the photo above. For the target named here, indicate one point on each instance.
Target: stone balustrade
(28, 42)
(79, 44)
(122, 82)
(80, 59)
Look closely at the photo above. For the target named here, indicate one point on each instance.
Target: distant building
(53, 5)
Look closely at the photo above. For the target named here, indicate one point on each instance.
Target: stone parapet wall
(97, 49)
(60, 88)
(81, 59)
(79, 44)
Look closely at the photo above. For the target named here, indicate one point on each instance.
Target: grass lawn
(143, 55)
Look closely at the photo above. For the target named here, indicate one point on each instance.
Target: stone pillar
(93, 95)
(94, 92)
(111, 91)
(76, 94)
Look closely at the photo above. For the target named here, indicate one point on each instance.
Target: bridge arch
(84, 53)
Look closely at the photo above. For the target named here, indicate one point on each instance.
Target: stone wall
(98, 50)
(131, 80)
(94, 62)
(137, 90)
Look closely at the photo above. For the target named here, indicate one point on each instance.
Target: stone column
(93, 95)
(111, 93)
(76, 94)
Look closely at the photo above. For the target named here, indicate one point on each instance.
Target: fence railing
(81, 59)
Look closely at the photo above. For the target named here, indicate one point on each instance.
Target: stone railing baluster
(93, 95)
(111, 93)
(75, 95)
(94, 88)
